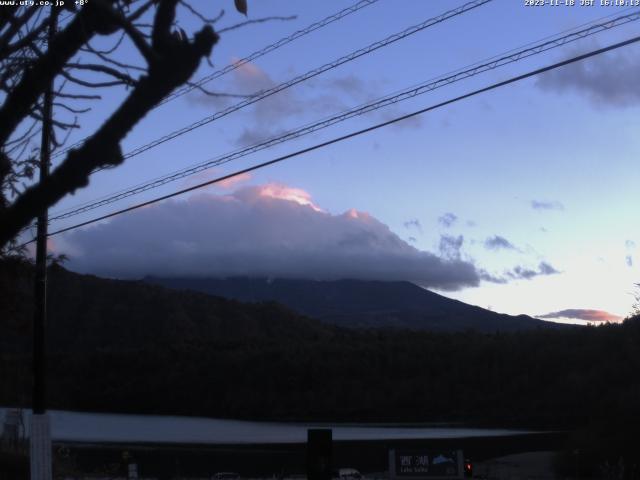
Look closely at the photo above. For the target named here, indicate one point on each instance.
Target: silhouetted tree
(29, 63)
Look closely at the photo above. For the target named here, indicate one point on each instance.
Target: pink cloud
(283, 192)
(235, 180)
(252, 77)
(52, 247)
(211, 174)
(598, 316)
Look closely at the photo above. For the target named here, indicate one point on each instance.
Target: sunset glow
(283, 192)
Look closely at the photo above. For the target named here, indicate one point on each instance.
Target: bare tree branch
(15, 25)
(257, 20)
(177, 59)
(58, 123)
(78, 96)
(64, 45)
(197, 14)
(116, 63)
(141, 11)
(138, 40)
(109, 51)
(71, 109)
(7, 49)
(211, 93)
(123, 77)
(88, 84)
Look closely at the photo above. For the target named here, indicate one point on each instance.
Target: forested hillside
(132, 347)
(361, 303)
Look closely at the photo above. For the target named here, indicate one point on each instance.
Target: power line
(229, 68)
(270, 48)
(354, 134)
(253, 56)
(306, 76)
(406, 94)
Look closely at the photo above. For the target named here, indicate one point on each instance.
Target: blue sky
(541, 172)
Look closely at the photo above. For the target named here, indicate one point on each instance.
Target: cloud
(349, 84)
(272, 116)
(413, 223)
(629, 245)
(522, 273)
(542, 205)
(488, 277)
(598, 78)
(291, 194)
(546, 269)
(268, 113)
(497, 243)
(450, 246)
(269, 230)
(53, 245)
(447, 220)
(235, 180)
(351, 87)
(210, 174)
(583, 314)
(392, 112)
(519, 273)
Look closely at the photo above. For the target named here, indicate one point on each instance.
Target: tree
(29, 63)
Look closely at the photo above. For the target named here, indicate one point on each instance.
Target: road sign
(416, 464)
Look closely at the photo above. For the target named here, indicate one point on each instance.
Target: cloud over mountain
(270, 230)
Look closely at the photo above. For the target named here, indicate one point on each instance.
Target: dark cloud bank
(270, 230)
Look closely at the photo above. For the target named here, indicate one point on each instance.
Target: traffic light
(468, 468)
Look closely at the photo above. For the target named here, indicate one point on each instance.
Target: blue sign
(428, 464)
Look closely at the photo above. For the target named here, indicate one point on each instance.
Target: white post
(40, 447)
(40, 440)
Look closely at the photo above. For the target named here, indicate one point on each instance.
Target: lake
(100, 427)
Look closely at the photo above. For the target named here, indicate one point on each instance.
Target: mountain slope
(88, 313)
(358, 303)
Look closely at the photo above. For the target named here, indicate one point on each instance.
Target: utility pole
(40, 438)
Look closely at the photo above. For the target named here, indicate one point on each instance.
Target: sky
(522, 200)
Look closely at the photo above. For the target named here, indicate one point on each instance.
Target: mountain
(88, 313)
(360, 303)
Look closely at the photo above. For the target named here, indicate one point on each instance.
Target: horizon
(565, 320)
